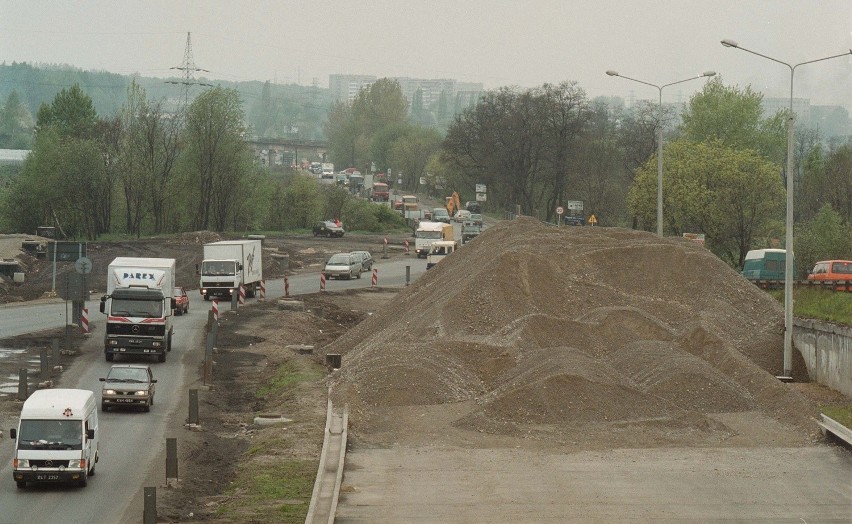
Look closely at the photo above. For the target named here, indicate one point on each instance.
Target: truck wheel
(161, 357)
(21, 484)
(206, 297)
(83, 483)
(169, 344)
(104, 407)
(109, 357)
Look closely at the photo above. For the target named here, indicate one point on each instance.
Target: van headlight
(74, 464)
(109, 392)
(22, 463)
(141, 393)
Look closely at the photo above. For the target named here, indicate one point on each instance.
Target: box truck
(139, 305)
(57, 438)
(429, 232)
(228, 264)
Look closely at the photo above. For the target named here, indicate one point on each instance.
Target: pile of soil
(597, 337)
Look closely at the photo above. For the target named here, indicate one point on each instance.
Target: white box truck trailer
(57, 438)
(227, 264)
(139, 305)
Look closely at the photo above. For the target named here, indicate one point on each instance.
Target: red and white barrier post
(406, 247)
(262, 296)
(242, 294)
(84, 320)
(322, 281)
(375, 280)
(286, 287)
(215, 309)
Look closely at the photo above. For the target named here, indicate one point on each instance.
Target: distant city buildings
(457, 94)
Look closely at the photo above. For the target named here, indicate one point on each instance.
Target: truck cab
(438, 251)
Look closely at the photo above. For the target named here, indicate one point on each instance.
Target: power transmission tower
(189, 70)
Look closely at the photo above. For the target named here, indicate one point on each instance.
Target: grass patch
(820, 304)
(842, 414)
(279, 492)
(286, 377)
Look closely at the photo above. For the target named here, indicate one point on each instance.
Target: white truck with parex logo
(228, 264)
(57, 438)
(139, 304)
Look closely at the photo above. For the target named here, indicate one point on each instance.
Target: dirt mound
(632, 338)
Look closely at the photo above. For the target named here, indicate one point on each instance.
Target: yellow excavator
(453, 204)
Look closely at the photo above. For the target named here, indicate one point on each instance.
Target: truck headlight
(109, 392)
(141, 393)
(112, 342)
(155, 344)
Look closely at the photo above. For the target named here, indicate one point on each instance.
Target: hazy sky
(494, 42)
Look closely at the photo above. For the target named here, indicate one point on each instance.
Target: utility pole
(189, 70)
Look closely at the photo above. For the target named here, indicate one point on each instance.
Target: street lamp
(660, 138)
(788, 240)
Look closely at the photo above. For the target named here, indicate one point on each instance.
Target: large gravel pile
(596, 337)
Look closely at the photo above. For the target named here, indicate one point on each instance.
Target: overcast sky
(522, 43)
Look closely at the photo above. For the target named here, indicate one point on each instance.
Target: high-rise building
(346, 87)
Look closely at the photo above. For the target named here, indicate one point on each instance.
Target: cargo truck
(139, 305)
(428, 233)
(228, 264)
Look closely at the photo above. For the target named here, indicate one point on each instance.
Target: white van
(57, 437)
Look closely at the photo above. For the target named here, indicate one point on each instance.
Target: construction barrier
(215, 309)
(375, 279)
(286, 287)
(84, 320)
(262, 296)
(242, 294)
(322, 281)
(406, 247)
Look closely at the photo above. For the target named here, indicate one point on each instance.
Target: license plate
(124, 400)
(47, 477)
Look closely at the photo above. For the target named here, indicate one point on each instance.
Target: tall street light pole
(788, 240)
(660, 138)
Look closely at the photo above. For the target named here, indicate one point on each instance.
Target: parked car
(473, 206)
(128, 385)
(440, 214)
(476, 218)
(366, 259)
(462, 215)
(181, 301)
(343, 265)
(328, 228)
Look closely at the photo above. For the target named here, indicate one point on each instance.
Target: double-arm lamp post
(660, 138)
(788, 240)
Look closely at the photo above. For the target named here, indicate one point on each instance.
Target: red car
(181, 301)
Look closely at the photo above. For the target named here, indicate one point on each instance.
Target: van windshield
(51, 434)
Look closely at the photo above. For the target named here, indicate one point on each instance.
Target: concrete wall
(827, 350)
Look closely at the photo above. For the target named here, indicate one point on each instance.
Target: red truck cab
(381, 193)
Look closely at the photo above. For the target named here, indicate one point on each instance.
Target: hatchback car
(439, 214)
(366, 259)
(128, 385)
(328, 228)
(343, 265)
(181, 301)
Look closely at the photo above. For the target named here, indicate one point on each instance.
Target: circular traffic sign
(83, 265)
(559, 210)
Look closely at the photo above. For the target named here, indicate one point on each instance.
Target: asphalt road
(132, 444)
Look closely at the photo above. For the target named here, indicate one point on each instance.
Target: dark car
(128, 385)
(473, 206)
(366, 259)
(181, 301)
(328, 228)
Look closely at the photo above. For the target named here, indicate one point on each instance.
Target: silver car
(366, 259)
(343, 265)
(128, 385)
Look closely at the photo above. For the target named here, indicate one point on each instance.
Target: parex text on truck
(228, 264)
(139, 305)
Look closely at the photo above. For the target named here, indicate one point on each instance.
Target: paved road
(801, 485)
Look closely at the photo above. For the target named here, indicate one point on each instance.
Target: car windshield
(218, 268)
(339, 260)
(127, 375)
(136, 308)
(178, 291)
(50, 434)
(440, 211)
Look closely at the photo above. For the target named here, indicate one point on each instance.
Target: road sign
(480, 197)
(83, 265)
(559, 210)
(593, 220)
(574, 205)
(480, 188)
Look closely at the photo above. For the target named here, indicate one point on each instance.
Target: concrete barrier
(827, 351)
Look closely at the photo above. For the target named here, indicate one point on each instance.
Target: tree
(410, 153)
(16, 124)
(217, 157)
(734, 117)
(825, 237)
(730, 195)
(71, 113)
